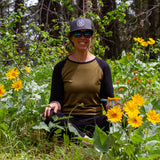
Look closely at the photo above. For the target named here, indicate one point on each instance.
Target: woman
(79, 82)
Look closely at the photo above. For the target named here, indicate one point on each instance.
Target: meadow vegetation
(135, 130)
(25, 82)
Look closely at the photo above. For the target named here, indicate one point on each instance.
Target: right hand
(53, 105)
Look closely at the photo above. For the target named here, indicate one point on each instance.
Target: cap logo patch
(80, 23)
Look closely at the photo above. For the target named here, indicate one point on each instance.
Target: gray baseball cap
(81, 23)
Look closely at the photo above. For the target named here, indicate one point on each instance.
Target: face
(82, 39)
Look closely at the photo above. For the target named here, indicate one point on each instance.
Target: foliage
(39, 47)
(130, 143)
(20, 109)
(25, 88)
(135, 73)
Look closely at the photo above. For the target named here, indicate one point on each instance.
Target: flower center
(114, 115)
(135, 121)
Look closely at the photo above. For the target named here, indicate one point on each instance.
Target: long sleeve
(57, 86)
(106, 84)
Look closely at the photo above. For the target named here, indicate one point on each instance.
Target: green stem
(101, 156)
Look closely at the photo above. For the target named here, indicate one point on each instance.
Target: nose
(82, 36)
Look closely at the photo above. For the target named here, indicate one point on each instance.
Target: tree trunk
(18, 25)
(49, 11)
(112, 42)
(152, 18)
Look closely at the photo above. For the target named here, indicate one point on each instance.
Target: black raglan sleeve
(106, 84)
(57, 87)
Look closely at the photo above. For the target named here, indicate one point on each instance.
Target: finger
(55, 109)
(50, 105)
(46, 111)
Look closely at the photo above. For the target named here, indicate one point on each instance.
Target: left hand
(108, 107)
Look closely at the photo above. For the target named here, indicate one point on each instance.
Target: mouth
(82, 43)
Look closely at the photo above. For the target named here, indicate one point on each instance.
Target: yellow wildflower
(151, 41)
(65, 51)
(153, 117)
(114, 114)
(135, 39)
(17, 85)
(60, 51)
(144, 43)
(27, 69)
(131, 108)
(2, 90)
(139, 100)
(135, 121)
(140, 40)
(12, 73)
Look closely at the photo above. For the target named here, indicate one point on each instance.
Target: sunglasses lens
(88, 34)
(77, 34)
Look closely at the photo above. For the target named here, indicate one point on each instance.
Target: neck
(81, 56)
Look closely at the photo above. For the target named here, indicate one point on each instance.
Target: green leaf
(148, 107)
(154, 156)
(124, 60)
(4, 127)
(42, 125)
(3, 112)
(152, 143)
(11, 54)
(129, 149)
(156, 103)
(73, 129)
(141, 158)
(53, 125)
(136, 139)
(101, 140)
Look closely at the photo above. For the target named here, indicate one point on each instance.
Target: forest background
(34, 38)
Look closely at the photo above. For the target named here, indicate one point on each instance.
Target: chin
(83, 48)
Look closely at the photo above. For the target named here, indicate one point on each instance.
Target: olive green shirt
(79, 87)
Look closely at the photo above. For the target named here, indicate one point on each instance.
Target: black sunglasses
(86, 34)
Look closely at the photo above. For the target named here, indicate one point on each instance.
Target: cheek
(72, 40)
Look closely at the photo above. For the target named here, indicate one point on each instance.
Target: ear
(92, 36)
(70, 39)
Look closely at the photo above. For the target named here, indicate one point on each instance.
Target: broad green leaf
(73, 129)
(42, 125)
(136, 139)
(101, 140)
(152, 143)
(53, 125)
(148, 107)
(124, 60)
